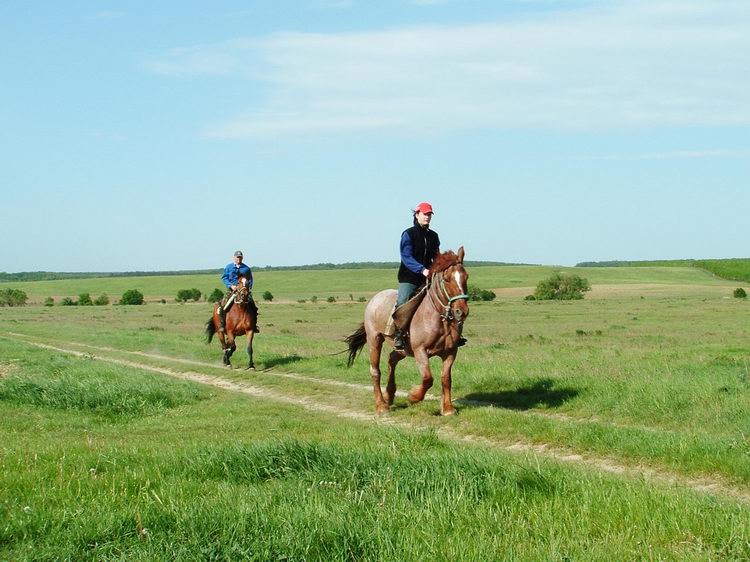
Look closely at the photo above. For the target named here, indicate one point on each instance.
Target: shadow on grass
(539, 393)
(279, 361)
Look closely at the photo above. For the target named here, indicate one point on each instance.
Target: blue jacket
(232, 273)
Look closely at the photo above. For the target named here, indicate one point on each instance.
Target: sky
(161, 136)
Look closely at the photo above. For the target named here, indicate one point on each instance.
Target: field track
(709, 485)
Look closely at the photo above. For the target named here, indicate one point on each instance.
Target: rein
(445, 310)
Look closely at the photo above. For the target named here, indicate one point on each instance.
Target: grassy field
(617, 427)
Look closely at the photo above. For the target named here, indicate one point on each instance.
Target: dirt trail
(712, 485)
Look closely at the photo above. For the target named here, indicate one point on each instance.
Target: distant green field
(348, 284)
(614, 427)
(737, 269)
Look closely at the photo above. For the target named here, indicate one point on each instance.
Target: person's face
(423, 219)
(237, 260)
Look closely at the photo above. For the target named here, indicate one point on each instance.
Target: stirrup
(398, 341)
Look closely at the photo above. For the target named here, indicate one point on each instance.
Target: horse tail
(210, 329)
(356, 342)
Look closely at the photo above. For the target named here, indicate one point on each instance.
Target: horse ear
(461, 254)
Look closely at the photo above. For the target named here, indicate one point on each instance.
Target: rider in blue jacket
(230, 278)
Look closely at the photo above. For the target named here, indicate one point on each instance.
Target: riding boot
(223, 318)
(398, 341)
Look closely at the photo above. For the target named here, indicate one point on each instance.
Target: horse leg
(446, 405)
(416, 394)
(229, 349)
(375, 345)
(250, 364)
(390, 389)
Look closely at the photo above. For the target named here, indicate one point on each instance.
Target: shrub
(102, 300)
(49, 301)
(477, 294)
(132, 296)
(361, 299)
(184, 295)
(67, 301)
(216, 295)
(740, 293)
(314, 298)
(12, 297)
(529, 298)
(331, 299)
(84, 299)
(562, 287)
(267, 296)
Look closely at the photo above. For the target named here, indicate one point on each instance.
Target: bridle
(442, 300)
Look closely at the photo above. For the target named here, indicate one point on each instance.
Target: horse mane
(443, 261)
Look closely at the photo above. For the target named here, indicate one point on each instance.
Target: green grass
(102, 461)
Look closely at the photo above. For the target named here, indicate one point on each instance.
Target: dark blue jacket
(232, 272)
(419, 247)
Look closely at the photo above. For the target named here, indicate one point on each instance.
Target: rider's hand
(233, 287)
(426, 272)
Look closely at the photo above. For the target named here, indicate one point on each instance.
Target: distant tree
(216, 295)
(267, 296)
(102, 300)
(740, 293)
(562, 287)
(67, 301)
(84, 299)
(184, 295)
(12, 297)
(132, 296)
(49, 301)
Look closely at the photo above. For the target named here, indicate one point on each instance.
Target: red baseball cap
(424, 207)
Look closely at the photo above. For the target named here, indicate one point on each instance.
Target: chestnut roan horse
(434, 330)
(240, 320)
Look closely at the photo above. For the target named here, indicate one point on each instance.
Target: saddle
(401, 316)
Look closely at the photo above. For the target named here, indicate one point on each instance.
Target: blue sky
(163, 136)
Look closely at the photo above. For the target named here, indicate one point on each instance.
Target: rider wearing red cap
(419, 247)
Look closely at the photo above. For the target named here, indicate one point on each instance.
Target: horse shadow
(281, 360)
(539, 393)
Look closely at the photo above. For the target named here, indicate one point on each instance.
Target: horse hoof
(450, 412)
(250, 368)
(228, 365)
(382, 410)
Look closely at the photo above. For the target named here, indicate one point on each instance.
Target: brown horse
(241, 319)
(434, 331)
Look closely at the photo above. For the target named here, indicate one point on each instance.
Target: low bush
(740, 293)
(267, 296)
(102, 300)
(477, 294)
(12, 297)
(562, 287)
(132, 296)
(84, 299)
(331, 299)
(49, 301)
(184, 295)
(216, 295)
(67, 301)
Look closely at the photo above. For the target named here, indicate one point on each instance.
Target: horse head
(448, 273)
(242, 292)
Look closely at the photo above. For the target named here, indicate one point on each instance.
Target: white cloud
(616, 65)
